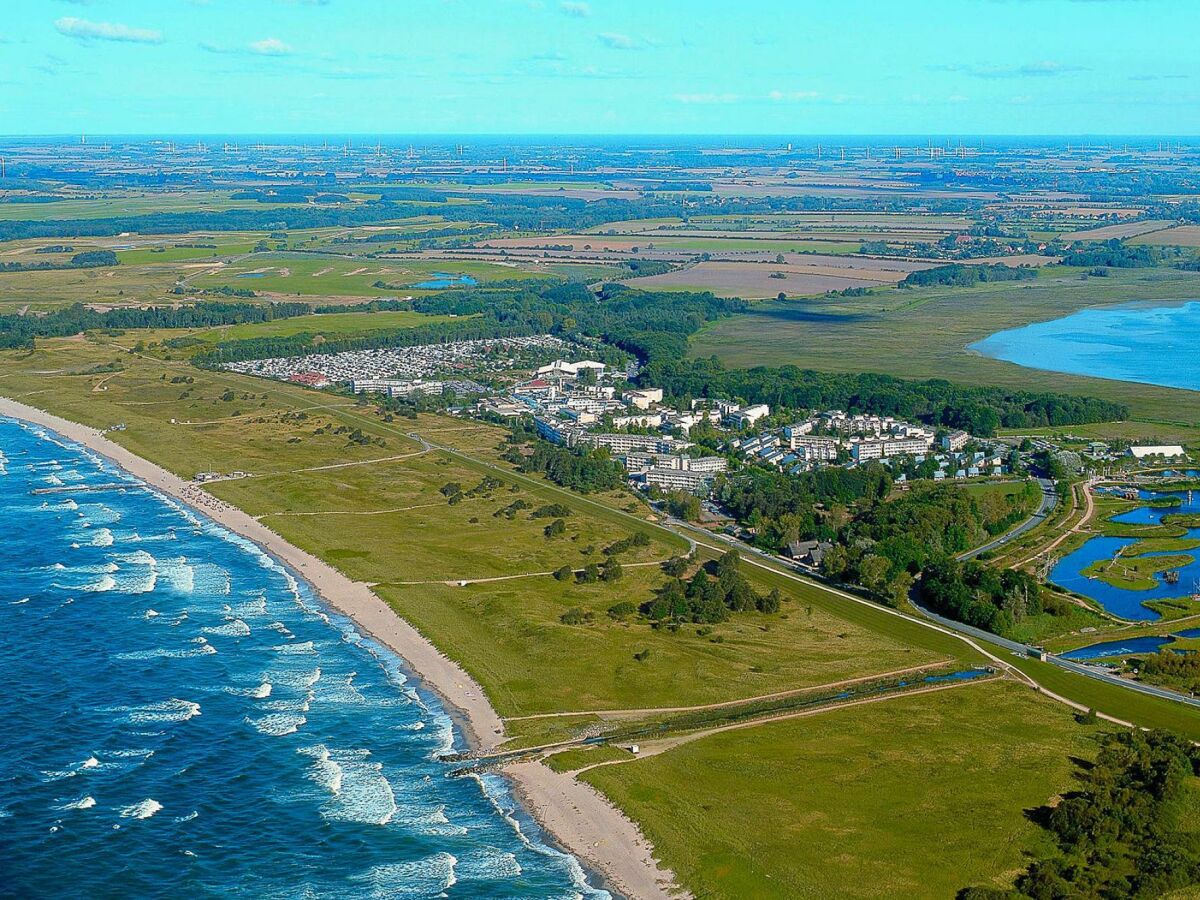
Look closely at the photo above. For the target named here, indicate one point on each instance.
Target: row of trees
(977, 409)
(957, 275)
(89, 259)
(18, 332)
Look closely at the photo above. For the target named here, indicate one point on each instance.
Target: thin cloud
(266, 47)
(616, 41)
(1041, 69)
(271, 47)
(792, 96)
(707, 98)
(576, 9)
(86, 31)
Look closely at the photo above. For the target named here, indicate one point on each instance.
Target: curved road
(1049, 501)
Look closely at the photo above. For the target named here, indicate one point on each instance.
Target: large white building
(1166, 451)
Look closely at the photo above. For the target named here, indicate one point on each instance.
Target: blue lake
(1126, 603)
(445, 280)
(1129, 646)
(180, 716)
(1143, 343)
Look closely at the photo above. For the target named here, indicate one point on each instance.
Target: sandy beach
(577, 816)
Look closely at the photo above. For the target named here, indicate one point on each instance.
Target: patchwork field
(1182, 236)
(309, 276)
(755, 281)
(925, 333)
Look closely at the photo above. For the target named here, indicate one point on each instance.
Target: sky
(780, 67)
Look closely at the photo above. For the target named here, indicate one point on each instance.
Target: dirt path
(724, 703)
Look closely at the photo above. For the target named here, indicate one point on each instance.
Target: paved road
(783, 567)
(1049, 501)
(1071, 666)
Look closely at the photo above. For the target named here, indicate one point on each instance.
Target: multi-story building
(678, 480)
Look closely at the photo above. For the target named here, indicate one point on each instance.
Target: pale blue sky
(600, 66)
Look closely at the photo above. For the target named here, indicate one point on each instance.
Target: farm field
(925, 333)
(754, 281)
(1182, 236)
(326, 324)
(1118, 232)
(309, 276)
(133, 204)
(670, 242)
(850, 802)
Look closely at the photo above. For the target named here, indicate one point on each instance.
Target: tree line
(977, 409)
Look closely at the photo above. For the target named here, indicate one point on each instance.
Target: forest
(1129, 830)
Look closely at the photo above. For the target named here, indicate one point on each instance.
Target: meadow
(322, 276)
(925, 333)
(825, 805)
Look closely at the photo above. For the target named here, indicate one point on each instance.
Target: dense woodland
(956, 275)
(1129, 831)
(19, 332)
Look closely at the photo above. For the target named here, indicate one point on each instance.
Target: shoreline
(607, 843)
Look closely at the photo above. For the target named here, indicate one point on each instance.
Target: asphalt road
(767, 560)
(1049, 501)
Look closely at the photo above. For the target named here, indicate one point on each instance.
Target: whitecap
(233, 628)
(278, 724)
(102, 537)
(428, 877)
(360, 791)
(173, 710)
(150, 614)
(292, 649)
(143, 810)
(81, 803)
(19, 602)
(106, 583)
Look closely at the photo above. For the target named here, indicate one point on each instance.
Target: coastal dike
(582, 820)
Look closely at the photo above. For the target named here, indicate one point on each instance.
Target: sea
(1144, 343)
(180, 716)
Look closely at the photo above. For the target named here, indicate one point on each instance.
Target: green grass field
(321, 276)
(925, 333)
(326, 324)
(916, 796)
(128, 204)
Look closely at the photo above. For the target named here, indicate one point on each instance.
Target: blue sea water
(179, 716)
(1141, 343)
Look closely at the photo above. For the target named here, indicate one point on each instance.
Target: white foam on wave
(53, 480)
(261, 692)
(359, 790)
(278, 724)
(281, 628)
(428, 877)
(251, 608)
(173, 710)
(210, 579)
(105, 584)
(150, 614)
(143, 810)
(165, 653)
(101, 537)
(232, 628)
(81, 803)
(178, 574)
(489, 864)
(428, 821)
(294, 649)
(19, 602)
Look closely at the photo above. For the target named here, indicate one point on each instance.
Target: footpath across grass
(913, 797)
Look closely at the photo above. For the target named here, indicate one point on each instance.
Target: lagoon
(1142, 343)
